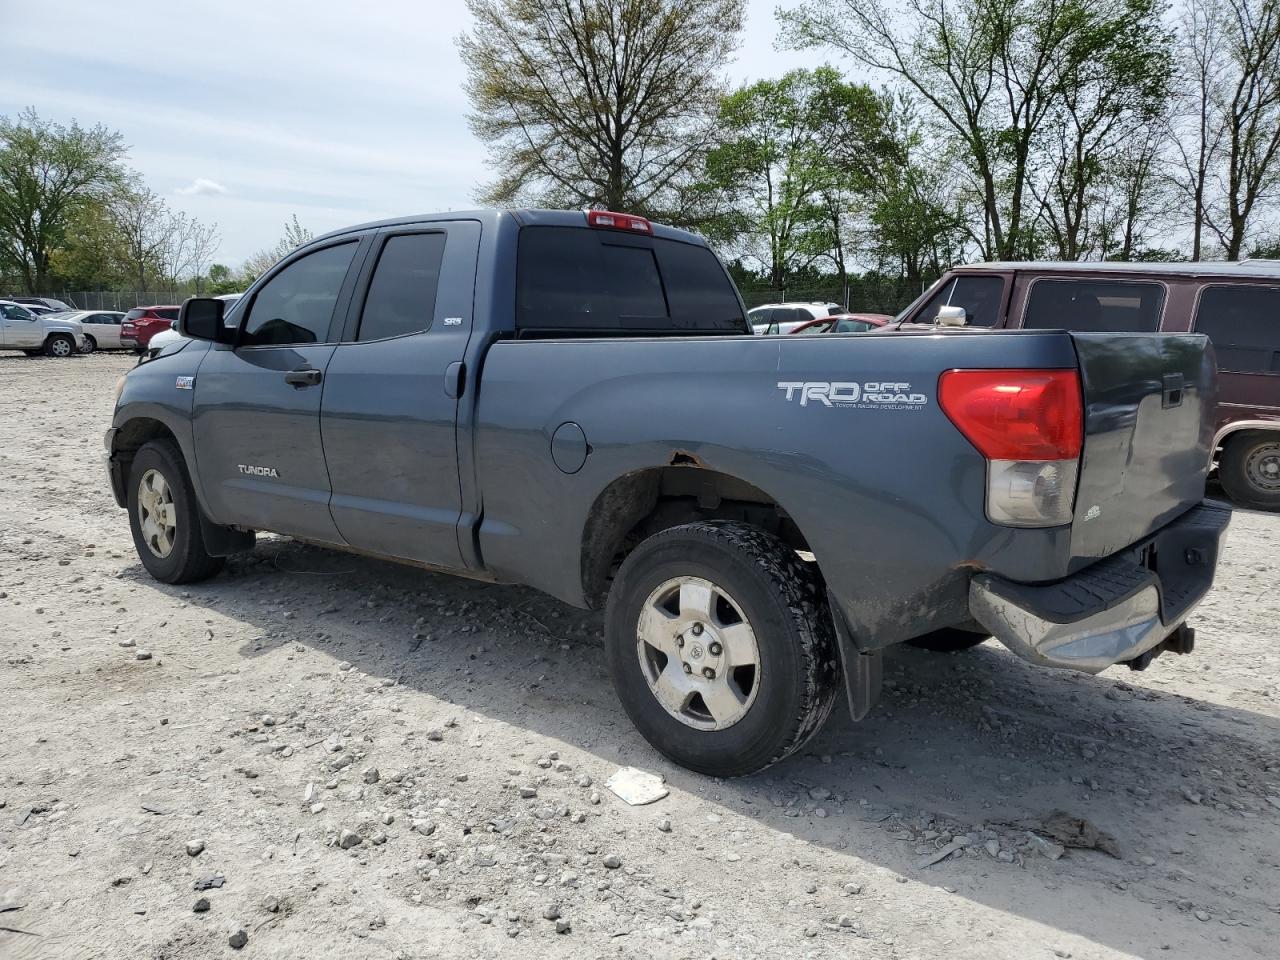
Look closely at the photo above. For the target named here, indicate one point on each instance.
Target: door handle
(303, 377)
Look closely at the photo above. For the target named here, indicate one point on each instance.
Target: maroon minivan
(1237, 305)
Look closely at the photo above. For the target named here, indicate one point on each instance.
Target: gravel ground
(377, 762)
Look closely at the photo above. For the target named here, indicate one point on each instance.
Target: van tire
(186, 560)
(1249, 469)
(757, 581)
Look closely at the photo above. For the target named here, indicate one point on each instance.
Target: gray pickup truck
(574, 401)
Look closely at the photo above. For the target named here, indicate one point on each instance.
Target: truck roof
(1269, 269)
(491, 216)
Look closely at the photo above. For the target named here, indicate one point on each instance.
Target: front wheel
(90, 345)
(1249, 470)
(59, 345)
(165, 518)
(721, 647)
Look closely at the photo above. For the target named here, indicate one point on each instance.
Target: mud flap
(220, 541)
(863, 672)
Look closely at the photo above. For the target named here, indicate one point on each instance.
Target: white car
(773, 318)
(166, 337)
(101, 328)
(20, 329)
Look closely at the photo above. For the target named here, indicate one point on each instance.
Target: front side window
(980, 297)
(402, 293)
(296, 305)
(14, 312)
(1094, 306)
(1243, 322)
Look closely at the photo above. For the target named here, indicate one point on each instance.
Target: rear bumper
(128, 342)
(1116, 610)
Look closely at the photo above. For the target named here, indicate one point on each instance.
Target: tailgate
(1149, 414)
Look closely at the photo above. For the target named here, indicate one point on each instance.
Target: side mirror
(201, 319)
(951, 317)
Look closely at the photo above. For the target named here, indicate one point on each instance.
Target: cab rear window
(579, 280)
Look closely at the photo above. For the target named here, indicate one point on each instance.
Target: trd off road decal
(865, 395)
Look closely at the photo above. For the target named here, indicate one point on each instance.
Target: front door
(391, 394)
(257, 405)
(19, 329)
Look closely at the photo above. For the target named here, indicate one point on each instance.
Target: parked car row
(42, 325)
(21, 329)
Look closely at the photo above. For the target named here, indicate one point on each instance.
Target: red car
(142, 323)
(844, 323)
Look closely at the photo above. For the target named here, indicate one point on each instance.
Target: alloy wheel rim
(61, 348)
(698, 653)
(157, 517)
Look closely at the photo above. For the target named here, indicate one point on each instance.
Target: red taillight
(618, 221)
(1016, 414)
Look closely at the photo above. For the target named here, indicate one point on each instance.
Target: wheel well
(133, 434)
(640, 504)
(1244, 433)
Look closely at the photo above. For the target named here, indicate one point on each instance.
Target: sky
(245, 112)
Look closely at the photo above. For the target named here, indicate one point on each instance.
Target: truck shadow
(964, 742)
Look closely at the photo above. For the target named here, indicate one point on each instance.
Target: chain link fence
(875, 295)
(118, 299)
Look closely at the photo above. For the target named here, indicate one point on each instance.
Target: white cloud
(201, 187)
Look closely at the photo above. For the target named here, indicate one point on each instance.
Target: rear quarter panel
(890, 497)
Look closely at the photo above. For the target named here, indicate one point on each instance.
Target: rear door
(391, 394)
(257, 405)
(1149, 411)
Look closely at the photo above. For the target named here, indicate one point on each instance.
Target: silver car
(20, 329)
(101, 328)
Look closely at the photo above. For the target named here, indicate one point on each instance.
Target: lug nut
(697, 629)
(715, 649)
(708, 673)
(687, 668)
(680, 641)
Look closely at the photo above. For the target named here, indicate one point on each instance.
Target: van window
(1094, 306)
(980, 297)
(1243, 321)
(597, 281)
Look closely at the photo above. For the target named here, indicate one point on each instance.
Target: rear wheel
(90, 344)
(1249, 470)
(59, 345)
(165, 518)
(948, 640)
(721, 647)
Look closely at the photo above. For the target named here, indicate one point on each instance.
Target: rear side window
(1094, 306)
(167, 313)
(980, 297)
(1243, 322)
(853, 326)
(571, 279)
(402, 293)
(296, 305)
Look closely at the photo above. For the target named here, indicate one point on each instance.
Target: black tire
(90, 345)
(948, 640)
(59, 345)
(187, 560)
(783, 603)
(1248, 469)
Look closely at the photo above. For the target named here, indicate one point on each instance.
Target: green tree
(597, 102)
(48, 173)
(991, 72)
(295, 235)
(796, 157)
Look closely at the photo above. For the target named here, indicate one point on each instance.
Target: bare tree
(596, 102)
(189, 246)
(146, 226)
(1229, 126)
